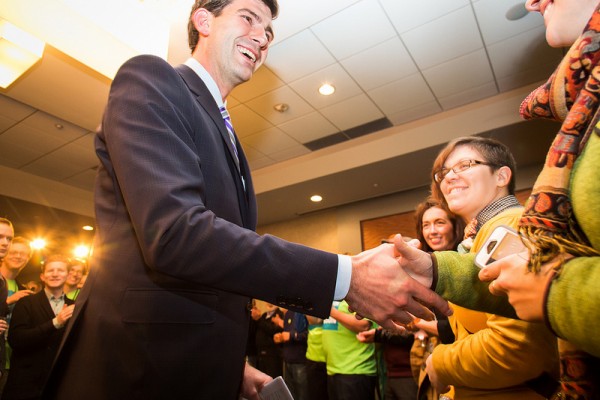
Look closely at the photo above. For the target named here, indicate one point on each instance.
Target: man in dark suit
(36, 329)
(165, 310)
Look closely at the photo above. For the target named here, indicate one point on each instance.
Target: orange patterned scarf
(571, 96)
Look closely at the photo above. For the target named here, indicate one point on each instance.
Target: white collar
(207, 79)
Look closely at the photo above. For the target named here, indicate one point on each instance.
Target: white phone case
(502, 242)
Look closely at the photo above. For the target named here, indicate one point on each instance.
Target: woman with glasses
(493, 357)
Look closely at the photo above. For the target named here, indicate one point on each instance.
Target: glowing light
(316, 198)
(87, 228)
(38, 244)
(19, 50)
(326, 89)
(81, 251)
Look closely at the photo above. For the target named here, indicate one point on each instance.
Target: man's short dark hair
(216, 8)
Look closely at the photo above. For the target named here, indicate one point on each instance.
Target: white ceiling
(416, 73)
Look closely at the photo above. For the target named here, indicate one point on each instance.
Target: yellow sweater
(494, 356)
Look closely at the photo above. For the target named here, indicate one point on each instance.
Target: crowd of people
(36, 314)
(177, 259)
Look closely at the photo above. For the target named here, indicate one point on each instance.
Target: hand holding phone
(502, 242)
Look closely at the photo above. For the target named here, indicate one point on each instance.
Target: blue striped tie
(229, 126)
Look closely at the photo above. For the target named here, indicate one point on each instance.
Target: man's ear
(202, 19)
(504, 175)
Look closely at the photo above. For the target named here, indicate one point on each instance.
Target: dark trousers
(351, 387)
(401, 389)
(316, 375)
(294, 375)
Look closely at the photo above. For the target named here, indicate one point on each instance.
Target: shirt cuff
(342, 284)
(56, 324)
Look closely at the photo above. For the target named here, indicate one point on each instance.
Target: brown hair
(216, 8)
(495, 153)
(458, 224)
(56, 258)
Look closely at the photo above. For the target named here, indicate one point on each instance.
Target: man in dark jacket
(36, 330)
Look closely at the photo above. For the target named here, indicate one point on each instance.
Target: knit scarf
(570, 96)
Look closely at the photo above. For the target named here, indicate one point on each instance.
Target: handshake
(391, 285)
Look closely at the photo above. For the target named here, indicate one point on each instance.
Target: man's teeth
(247, 53)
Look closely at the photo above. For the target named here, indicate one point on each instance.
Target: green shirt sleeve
(572, 304)
(458, 282)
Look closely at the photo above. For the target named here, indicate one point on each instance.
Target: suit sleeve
(166, 160)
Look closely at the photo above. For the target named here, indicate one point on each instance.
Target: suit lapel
(245, 195)
(203, 96)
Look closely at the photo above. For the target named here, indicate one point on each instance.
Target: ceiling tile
(263, 81)
(309, 127)
(12, 111)
(298, 56)
(295, 16)
(292, 152)
(16, 155)
(403, 94)
(308, 87)
(52, 166)
(468, 96)
(83, 180)
(246, 122)
(264, 104)
(352, 112)
(491, 15)
(354, 29)
(411, 114)
(459, 74)
(380, 64)
(80, 152)
(270, 141)
(444, 39)
(407, 15)
(522, 52)
(251, 153)
(261, 163)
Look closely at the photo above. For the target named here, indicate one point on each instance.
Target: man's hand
(366, 336)
(382, 291)
(65, 314)
(525, 290)
(415, 262)
(254, 380)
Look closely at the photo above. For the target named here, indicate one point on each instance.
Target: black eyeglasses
(457, 168)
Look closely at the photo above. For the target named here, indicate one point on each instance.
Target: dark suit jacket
(164, 313)
(34, 341)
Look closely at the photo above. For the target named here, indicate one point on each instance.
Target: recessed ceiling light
(58, 126)
(87, 228)
(316, 198)
(516, 12)
(326, 89)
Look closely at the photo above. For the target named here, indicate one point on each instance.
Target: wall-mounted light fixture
(19, 50)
